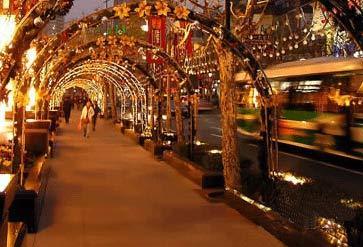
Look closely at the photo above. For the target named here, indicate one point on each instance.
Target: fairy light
(249, 200)
(350, 203)
(289, 177)
(199, 143)
(333, 232)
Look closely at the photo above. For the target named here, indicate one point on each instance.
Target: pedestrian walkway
(106, 191)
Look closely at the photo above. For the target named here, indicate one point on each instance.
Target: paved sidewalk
(107, 191)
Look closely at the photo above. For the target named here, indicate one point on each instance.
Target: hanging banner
(156, 36)
(183, 48)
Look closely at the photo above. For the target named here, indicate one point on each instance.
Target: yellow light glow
(4, 181)
(8, 25)
(10, 86)
(2, 115)
(31, 55)
(334, 232)
(199, 143)
(249, 200)
(288, 177)
(350, 203)
(32, 94)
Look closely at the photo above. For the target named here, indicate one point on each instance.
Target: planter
(7, 195)
(156, 149)
(28, 203)
(138, 128)
(143, 138)
(169, 136)
(212, 162)
(206, 179)
(127, 123)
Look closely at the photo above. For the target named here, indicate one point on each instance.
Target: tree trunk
(230, 152)
(152, 109)
(113, 102)
(195, 113)
(105, 100)
(178, 116)
(168, 104)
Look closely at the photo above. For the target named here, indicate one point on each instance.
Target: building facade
(55, 26)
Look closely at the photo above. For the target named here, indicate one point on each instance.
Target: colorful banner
(184, 50)
(156, 36)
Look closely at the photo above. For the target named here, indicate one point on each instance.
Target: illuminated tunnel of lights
(348, 20)
(127, 84)
(93, 89)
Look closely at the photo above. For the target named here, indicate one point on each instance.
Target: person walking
(67, 108)
(86, 118)
(97, 111)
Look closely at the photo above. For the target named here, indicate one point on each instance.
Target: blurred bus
(320, 103)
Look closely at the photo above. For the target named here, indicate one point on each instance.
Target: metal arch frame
(111, 80)
(132, 82)
(351, 19)
(86, 65)
(86, 55)
(23, 27)
(348, 21)
(105, 76)
(181, 73)
(135, 80)
(209, 25)
(86, 84)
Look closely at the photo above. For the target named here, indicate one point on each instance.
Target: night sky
(83, 7)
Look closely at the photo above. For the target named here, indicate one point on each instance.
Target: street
(349, 181)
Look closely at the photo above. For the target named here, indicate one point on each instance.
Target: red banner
(156, 36)
(184, 50)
